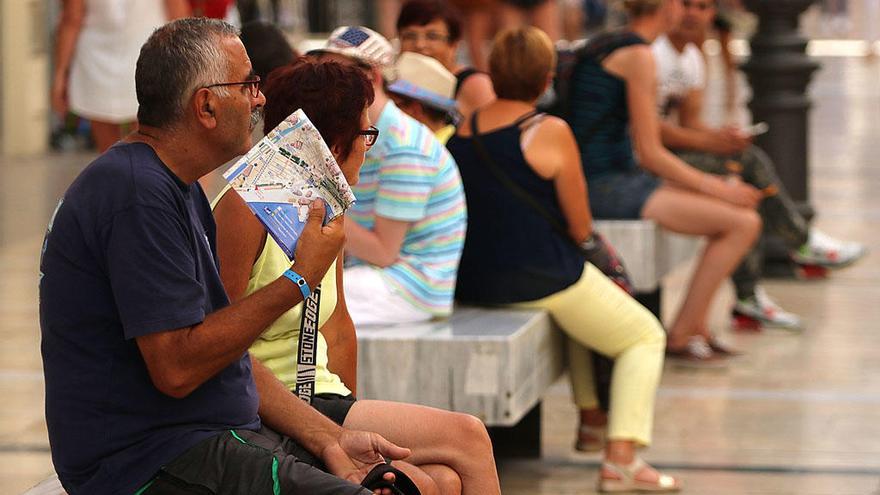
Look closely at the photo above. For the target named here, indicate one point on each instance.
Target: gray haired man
(149, 387)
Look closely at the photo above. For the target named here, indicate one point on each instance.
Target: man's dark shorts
(334, 406)
(247, 462)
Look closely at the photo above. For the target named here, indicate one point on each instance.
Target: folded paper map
(281, 176)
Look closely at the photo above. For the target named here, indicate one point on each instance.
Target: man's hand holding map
(281, 176)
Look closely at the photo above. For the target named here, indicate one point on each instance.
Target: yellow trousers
(597, 314)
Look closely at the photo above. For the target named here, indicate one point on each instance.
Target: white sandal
(597, 435)
(627, 481)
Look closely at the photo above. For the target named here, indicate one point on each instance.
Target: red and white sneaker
(758, 311)
(824, 250)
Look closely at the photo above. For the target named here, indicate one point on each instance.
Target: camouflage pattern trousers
(777, 210)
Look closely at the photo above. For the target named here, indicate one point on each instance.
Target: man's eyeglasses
(252, 84)
(430, 37)
(370, 135)
(698, 5)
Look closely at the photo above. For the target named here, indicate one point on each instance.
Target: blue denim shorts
(621, 195)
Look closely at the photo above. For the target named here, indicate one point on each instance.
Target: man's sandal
(402, 484)
(625, 479)
(590, 438)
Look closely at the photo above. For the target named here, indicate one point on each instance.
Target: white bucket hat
(425, 79)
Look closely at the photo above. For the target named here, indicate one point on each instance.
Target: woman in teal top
(452, 452)
(614, 118)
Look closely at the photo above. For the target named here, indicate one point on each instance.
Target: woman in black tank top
(433, 28)
(521, 174)
(625, 176)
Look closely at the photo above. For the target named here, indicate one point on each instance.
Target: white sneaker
(765, 312)
(824, 250)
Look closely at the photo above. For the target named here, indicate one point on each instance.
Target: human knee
(472, 432)
(654, 335)
(751, 223)
(745, 225)
(447, 480)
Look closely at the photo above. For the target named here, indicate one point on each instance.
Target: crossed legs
(452, 449)
(730, 231)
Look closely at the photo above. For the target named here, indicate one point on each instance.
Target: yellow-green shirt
(276, 347)
(443, 134)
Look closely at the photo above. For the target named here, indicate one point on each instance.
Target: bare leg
(477, 30)
(730, 231)
(388, 10)
(546, 17)
(572, 21)
(424, 482)
(105, 134)
(510, 16)
(447, 480)
(456, 440)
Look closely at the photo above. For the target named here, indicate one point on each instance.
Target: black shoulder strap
(512, 186)
(462, 76)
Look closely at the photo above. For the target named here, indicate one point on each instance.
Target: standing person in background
(433, 28)
(871, 26)
(423, 88)
(478, 17)
(543, 14)
(96, 48)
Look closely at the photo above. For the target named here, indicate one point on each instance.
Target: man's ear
(204, 106)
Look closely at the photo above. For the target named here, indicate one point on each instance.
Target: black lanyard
(307, 347)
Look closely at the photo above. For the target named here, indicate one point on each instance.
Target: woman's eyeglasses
(698, 5)
(430, 37)
(370, 135)
(253, 85)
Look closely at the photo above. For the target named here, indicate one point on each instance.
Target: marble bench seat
(495, 363)
(648, 251)
(492, 363)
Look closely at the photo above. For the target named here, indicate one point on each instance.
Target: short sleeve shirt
(409, 176)
(130, 251)
(678, 73)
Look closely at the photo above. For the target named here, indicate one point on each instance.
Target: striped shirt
(408, 176)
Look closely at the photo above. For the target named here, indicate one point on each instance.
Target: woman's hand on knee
(733, 190)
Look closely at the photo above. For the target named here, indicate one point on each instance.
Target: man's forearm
(366, 245)
(181, 360)
(677, 137)
(287, 414)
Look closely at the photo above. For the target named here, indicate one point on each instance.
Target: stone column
(24, 77)
(779, 71)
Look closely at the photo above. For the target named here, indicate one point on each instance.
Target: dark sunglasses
(370, 135)
(252, 84)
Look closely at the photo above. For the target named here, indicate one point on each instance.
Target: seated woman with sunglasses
(514, 255)
(451, 451)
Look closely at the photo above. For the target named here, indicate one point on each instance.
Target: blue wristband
(300, 282)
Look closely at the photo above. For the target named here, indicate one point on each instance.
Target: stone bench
(496, 363)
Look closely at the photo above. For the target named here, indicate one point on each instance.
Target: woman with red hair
(452, 452)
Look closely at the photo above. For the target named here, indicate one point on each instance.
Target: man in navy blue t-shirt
(149, 387)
